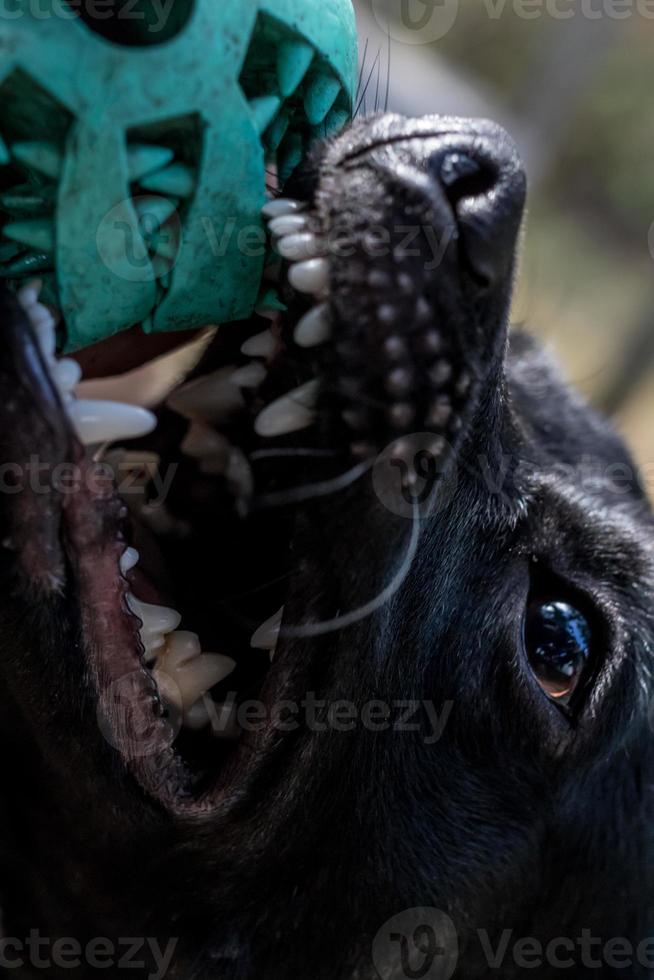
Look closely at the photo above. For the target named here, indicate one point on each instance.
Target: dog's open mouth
(173, 543)
(172, 531)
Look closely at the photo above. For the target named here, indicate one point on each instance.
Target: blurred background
(573, 81)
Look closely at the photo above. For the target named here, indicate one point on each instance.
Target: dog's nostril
(462, 176)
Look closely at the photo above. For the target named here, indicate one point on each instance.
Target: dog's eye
(558, 644)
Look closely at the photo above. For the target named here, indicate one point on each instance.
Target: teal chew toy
(132, 176)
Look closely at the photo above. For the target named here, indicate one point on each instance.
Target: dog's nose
(481, 176)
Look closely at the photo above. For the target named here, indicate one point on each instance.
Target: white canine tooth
(310, 277)
(290, 413)
(67, 374)
(97, 422)
(194, 677)
(154, 619)
(275, 209)
(129, 560)
(299, 248)
(261, 345)
(267, 635)
(288, 224)
(250, 376)
(314, 328)
(212, 398)
(156, 622)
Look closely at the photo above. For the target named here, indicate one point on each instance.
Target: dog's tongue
(127, 351)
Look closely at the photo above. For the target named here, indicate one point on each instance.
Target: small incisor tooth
(283, 205)
(129, 560)
(212, 398)
(193, 678)
(310, 277)
(314, 328)
(265, 638)
(290, 413)
(261, 345)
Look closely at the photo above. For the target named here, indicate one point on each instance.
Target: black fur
(517, 817)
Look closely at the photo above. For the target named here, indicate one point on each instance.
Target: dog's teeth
(261, 345)
(314, 328)
(240, 479)
(193, 678)
(282, 206)
(212, 398)
(129, 560)
(156, 622)
(67, 374)
(290, 413)
(310, 277)
(288, 224)
(41, 320)
(265, 638)
(250, 376)
(299, 247)
(182, 646)
(28, 296)
(96, 421)
(203, 442)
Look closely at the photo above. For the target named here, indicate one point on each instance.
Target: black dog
(457, 716)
